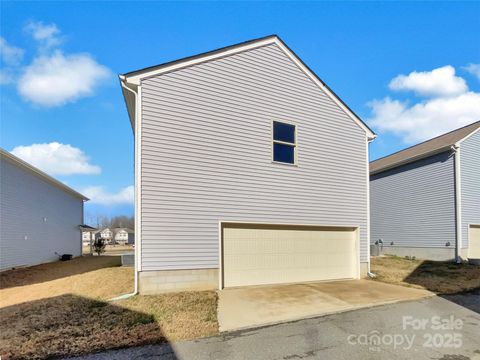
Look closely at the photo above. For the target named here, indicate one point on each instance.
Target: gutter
(137, 239)
(369, 270)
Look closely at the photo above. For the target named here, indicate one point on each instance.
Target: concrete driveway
(248, 307)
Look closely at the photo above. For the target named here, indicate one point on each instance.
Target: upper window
(284, 143)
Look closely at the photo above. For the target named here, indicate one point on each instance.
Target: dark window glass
(284, 153)
(283, 132)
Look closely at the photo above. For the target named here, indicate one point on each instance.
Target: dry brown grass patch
(437, 276)
(70, 325)
(59, 309)
(92, 277)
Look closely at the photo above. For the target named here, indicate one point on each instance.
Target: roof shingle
(424, 149)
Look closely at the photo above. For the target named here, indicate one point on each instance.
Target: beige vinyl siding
(206, 149)
(25, 200)
(470, 178)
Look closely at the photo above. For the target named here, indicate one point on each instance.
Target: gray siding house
(39, 216)
(249, 171)
(425, 200)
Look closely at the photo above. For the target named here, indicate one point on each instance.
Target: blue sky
(410, 70)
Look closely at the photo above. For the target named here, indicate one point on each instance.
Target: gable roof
(128, 230)
(427, 148)
(85, 227)
(131, 80)
(117, 229)
(20, 163)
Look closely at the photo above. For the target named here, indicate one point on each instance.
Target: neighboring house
(120, 235)
(425, 200)
(249, 170)
(124, 235)
(39, 216)
(87, 236)
(88, 233)
(106, 234)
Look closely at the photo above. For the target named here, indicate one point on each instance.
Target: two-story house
(249, 170)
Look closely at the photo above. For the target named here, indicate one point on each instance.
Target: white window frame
(294, 144)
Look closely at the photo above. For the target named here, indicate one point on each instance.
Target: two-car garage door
(274, 254)
(474, 242)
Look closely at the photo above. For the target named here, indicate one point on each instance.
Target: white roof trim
(41, 174)
(457, 144)
(135, 79)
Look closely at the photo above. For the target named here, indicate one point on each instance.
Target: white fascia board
(322, 86)
(137, 78)
(457, 144)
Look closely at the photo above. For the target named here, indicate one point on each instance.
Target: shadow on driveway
(468, 299)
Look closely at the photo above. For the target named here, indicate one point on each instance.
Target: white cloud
(98, 195)
(47, 36)
(438, 82)
(56, 158)
(430, 117)
(473, 69)
(11, 55)
(426, 119)
(53, 80)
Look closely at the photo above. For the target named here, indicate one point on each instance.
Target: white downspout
(137, 239)
(458, 203)
(369, 272)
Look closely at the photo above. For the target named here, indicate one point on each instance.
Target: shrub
(99, 246)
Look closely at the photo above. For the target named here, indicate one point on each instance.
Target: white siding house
(119, 235)
(124, 236)
(425, 200)
(88, 236)
(249, 171)
(39, 216)
(106, 234)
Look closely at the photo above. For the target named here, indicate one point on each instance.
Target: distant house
(425, 200)
(105, 233)
(88, 233)
(119, 235)
(39, 216)
(124, 235)
(87, 236)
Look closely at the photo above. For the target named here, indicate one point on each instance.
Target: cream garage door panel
(259, 255)
(474, 242)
